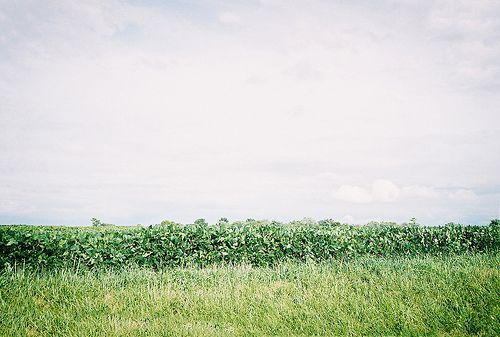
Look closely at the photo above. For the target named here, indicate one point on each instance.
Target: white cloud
(385, 191)
(463, 195)
(353, 194)
(419, 191)
(229, 17)
(467, 28)
(381, 190)
(349, 219)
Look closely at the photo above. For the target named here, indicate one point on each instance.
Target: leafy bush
(256, 243)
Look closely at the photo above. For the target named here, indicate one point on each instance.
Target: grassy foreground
(444, 296)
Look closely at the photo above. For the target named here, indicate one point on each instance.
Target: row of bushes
(171, 244)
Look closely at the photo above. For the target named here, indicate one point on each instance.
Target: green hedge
(255, 243)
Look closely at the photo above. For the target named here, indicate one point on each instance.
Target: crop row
(171, 244)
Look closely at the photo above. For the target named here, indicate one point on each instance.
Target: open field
(445, 296)
(250, 279)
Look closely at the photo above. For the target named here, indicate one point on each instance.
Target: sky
(139, 111)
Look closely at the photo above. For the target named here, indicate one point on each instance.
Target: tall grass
(418, 296)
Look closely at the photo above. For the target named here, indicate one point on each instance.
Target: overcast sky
(139, 111)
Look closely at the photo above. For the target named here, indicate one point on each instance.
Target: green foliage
(201, 222)
(96, 222)
(329, 223)
(257, 243)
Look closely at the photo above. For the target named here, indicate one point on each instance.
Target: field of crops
(252, 278)
(256, 243)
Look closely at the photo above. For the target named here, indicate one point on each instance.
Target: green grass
(436, 296)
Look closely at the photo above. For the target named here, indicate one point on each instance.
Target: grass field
(442, 296)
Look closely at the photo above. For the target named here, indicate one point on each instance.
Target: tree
(96, 222)
(201, 222)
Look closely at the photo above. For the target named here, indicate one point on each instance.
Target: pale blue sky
(139, 111)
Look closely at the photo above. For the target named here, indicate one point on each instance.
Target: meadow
(250, 279)
(367, 296)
